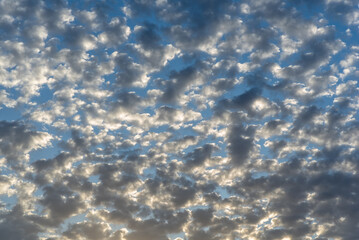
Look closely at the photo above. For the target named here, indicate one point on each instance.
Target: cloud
(179, 82)
(91, 230)
(60, 203)
(179, 119)
(15, 225)
(17, 140)
(240, 143)
(200, 155)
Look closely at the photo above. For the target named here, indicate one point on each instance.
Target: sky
(179, 120)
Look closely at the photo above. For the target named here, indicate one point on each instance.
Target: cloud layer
(170, 120)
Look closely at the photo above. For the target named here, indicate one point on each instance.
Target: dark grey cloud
(251, 102)
(16, 225)
(165, 222)
(193, 23)
(181, 195)
(91, 230)
(60, 203)
(178, 82)
(129, 72)
(240, 143)
(346, 11)
(203, 217)
(17, 140)
(199, 155)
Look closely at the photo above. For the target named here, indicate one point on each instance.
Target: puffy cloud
(130, 73)
(15, 225)
(114, 33)
(252, 102)
(180, 82)
(240, 144)
(91, 230)
(17, 140)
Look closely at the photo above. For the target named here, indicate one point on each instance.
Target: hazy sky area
(179, 120)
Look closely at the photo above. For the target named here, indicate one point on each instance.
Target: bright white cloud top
(167, 119)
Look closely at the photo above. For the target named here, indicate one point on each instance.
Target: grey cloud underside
(178, 120)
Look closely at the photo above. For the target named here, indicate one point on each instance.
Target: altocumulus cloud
(179, 120)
